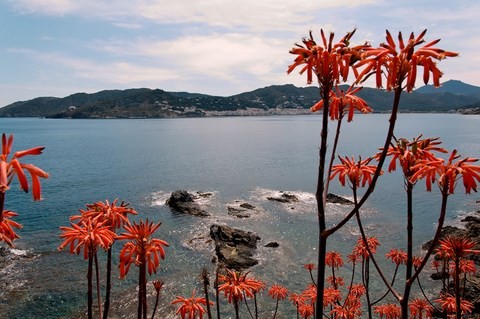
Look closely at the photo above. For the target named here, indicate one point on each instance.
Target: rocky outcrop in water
(183, 202)
(335, 199)
(284, 198)
(234, 248)
(243, 210)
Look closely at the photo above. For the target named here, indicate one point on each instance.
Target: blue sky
(217, 47)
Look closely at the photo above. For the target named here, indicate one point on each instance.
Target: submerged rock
(335, 199)
(272, 244)
(284, 198)
(242, 210)
(234, 247)
(183, 202)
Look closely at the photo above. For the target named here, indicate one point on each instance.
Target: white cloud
(216, 55)
(254, 15)
(116, 72)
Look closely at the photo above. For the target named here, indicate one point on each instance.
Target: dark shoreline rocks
(183, 202)
(234, 248)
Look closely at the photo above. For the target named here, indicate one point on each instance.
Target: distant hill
(275, 99)
(451, 86)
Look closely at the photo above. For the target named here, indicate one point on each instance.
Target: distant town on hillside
(452, 96)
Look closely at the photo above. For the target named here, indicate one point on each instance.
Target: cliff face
(272, 100)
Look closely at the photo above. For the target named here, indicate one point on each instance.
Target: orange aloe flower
(389, 311)
(191, 308)
(448, 304)
(306, 310)
(13, 167)
(331, 296)
(309, 267)
(7, 234)
(329, 62)
(447, 172)
(278, 292)
(408, 154)
(401, 63)
(341, 312)
(420, 309)
(455, 247)
(142, 248)
(358, 172)
(335, 281)
(397, 256)
(417, 261)
(114, 215)
(333, 259)
(467, 266)
(88, 235)
(310, 294)
(235, 284)
(341, 101)
(360, 248)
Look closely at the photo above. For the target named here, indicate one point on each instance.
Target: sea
(234, 160)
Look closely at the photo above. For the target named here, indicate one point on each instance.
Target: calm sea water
(246, 159)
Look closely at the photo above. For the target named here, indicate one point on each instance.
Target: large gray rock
(183, 202)
(234, 247)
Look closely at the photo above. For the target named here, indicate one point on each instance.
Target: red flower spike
(453, 247)
(234, 284)
(397, 256)
(113, 214)
(328, 61)
(342, 103)
(400, 64)
(278, 292)
(191, 308)
(141, 248)
(360, 248)
(309, 267)
(388, 311)
(333, 259)
(448, 304)
(447, 172)
(420, 309)
(359, 173)
(13, 167)
(87, 235)
(7, 234)
(409, 153)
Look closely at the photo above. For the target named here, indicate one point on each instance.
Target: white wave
(159, 198)
(457, 220)
(19, 252)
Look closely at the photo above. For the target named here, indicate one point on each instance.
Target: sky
(217, 47)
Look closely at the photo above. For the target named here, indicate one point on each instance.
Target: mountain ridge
(453, 95)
